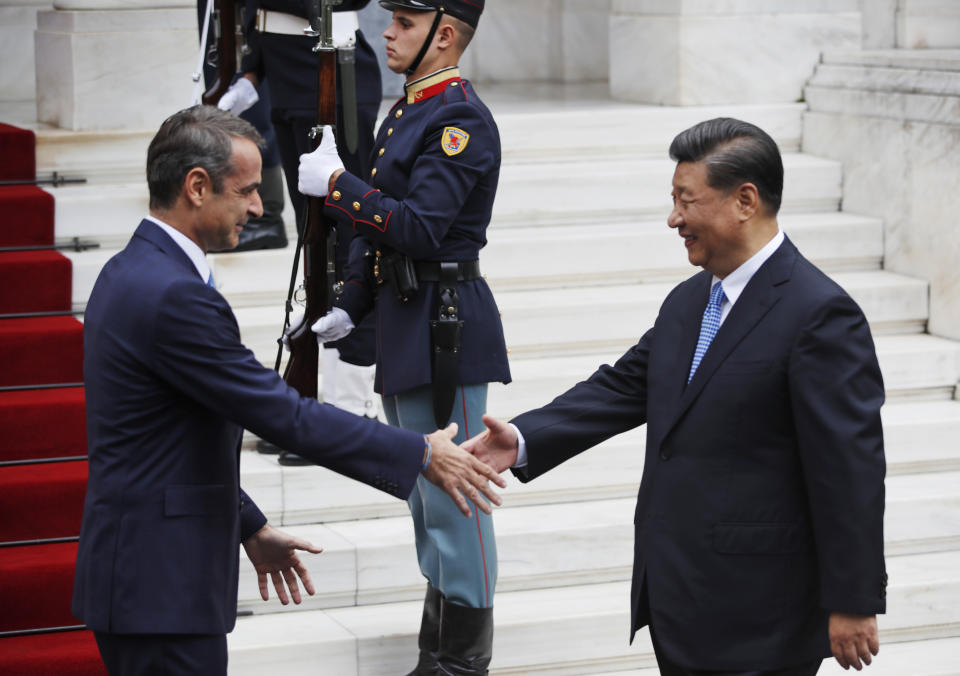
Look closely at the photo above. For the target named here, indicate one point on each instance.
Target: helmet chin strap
(426, 43)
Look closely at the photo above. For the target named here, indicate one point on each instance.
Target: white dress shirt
(194, 252)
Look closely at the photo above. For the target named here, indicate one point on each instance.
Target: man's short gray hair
(201, 136)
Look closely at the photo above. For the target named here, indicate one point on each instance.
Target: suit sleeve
(198, 351)
(611, 401)
(439, 187)
(836, 392)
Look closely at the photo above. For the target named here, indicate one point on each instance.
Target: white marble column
(692, 52)
(114, 64)
(17, 21)
(928, 24)
(560, 41)
(879, 19)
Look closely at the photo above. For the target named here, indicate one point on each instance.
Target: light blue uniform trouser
(458, 555)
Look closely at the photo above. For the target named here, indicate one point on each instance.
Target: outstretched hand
(273, 552)
(460, 474)
(497, 446)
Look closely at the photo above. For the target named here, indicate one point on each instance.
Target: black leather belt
(429, 271)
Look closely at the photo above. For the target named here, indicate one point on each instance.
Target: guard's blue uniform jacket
(430, 196)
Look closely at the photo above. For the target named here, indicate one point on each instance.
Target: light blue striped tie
(210, 282)
(708, 327)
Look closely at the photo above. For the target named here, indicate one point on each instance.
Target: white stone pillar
(114, 64)
(554, 41)
(879, 23)
(17, 75)
(928, 24)
(693, 52)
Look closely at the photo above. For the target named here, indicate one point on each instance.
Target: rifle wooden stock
(225, 22)
(303, 364)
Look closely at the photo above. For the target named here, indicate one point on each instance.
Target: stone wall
(696, 52)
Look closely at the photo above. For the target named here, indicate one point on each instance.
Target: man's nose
(256, 205)
(674, 220)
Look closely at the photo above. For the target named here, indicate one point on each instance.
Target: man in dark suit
(759, 519)
(169, 390)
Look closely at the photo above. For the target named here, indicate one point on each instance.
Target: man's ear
(446, 36)
(197, 186)
(748, 201)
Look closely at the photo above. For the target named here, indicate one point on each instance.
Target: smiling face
(405, 36)
(222, 215)
(710, 221)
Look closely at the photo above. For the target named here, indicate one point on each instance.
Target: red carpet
(40, 351)
(25, 418)
(27, 214)
(68, 653)
(18, 150)
(38, 500)
(37, 586)
(35, 281)
(46, 498)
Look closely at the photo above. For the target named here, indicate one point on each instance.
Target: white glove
(240, 97)
(295, 321)
(317, 167)
(333, 326)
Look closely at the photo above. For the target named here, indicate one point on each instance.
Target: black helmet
(467, 11)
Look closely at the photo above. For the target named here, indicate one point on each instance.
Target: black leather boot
(466, 640)
(429, 640)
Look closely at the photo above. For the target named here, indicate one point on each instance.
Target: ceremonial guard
(281, 53)
(422, 210)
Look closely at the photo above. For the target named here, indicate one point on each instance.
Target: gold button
(377, 219)
(380, 154)
(356, 206)
(373, 173)
(336, 195)
(390, 131)
(508, 350)
(399, 113)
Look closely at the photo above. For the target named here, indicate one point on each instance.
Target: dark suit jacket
(169, 389)
(761, 504)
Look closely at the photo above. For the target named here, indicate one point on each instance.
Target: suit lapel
(760, 295)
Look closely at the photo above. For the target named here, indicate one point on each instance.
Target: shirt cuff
(521, 448)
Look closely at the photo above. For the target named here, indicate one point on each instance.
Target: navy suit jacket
(761, 505)
(169, 389)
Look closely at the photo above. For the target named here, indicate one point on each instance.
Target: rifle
(227, 52)
(317, 235)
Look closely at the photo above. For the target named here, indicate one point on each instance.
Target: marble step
(570, 630)
(622, 190)
(538, 135)
(628, 189)
(564, 544)
(920, 85)
(610, 318)
(533, 257)
(913, 366)
(920, 437)
(933, 657)
(535, 132)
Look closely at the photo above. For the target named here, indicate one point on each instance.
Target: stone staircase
(579, 258)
